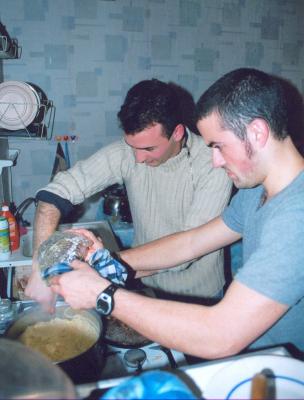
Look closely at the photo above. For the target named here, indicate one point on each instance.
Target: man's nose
(217, 158)
(140, 155)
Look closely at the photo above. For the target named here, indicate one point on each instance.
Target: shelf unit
(8, 162)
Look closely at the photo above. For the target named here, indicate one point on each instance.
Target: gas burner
(134, 358)
(151, 356)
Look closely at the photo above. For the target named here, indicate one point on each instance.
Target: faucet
(18, 213)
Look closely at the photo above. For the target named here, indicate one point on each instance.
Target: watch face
(104, 304)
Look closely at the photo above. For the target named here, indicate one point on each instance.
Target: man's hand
(96, 241)
(80, 287)
(37, 290)
(46, 220)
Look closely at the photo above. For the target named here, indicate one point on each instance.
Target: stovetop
(121, 363)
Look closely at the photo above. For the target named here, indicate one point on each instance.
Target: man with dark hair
(147, 102)
(170, 182)
(243, 117)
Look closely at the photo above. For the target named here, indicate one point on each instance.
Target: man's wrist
(130, 271)
(105, 300)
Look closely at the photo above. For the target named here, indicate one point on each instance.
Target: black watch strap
(111, 289)
(130, 271)
(105, 300)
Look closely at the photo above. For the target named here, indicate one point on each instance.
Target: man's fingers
(99, 239)
(77, 264)
(88, 234)
(54, 280)
(84, 232)
(49, 305)
(55, 288)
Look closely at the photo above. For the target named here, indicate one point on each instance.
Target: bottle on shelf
(4, 239)
(14, 236)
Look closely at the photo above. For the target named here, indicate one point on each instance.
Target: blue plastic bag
(151, 385)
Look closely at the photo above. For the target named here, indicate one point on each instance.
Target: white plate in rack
(234, 380)
(19, 105)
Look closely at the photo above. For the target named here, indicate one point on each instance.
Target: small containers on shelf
(13, 229)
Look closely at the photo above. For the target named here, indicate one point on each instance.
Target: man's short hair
(150, 102)
(244, 94)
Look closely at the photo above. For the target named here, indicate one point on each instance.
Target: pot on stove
(83, 368)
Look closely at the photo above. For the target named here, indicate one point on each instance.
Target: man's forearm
(150, 257)
(180, 247)
(46, 221)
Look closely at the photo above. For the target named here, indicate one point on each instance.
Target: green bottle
(4, 239)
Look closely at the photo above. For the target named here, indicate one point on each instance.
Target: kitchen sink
(99, 228)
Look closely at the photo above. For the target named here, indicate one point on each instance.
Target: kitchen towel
(101, 260)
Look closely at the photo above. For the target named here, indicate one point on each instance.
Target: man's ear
(178, 133)
(258, 132)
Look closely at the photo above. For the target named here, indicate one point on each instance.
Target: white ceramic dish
(234, 380)
(19, 104)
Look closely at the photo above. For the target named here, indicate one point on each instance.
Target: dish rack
(42, 129)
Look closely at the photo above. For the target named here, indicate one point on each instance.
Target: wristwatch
(105, 300)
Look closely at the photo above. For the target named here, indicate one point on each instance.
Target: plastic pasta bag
(61, 249)
(57, 252)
